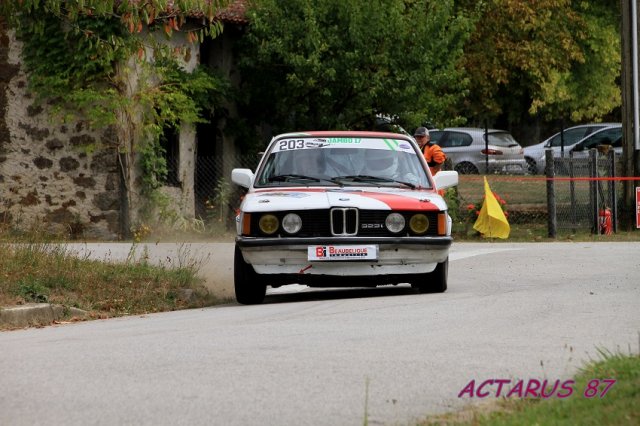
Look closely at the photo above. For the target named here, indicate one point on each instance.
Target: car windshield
(604, 137)
(342, 161)
(502, 139)
(571, 136)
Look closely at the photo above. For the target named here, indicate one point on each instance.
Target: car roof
(610, 125)
(597, 132)
(474, 130)
(343, 133)
(579, 126)
(583, 126)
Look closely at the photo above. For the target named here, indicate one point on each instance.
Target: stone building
(66, 178)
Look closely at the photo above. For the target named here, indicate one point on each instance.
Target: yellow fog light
(268, 224)
(419, 223)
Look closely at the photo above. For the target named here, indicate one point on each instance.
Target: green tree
(335, 64)
(557, 58)
(82, 56)
(75, 51)
(590, 88)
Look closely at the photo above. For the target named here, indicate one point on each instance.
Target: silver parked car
(535, 155)
(466, 149)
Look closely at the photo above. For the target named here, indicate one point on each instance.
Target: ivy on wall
(79, 56)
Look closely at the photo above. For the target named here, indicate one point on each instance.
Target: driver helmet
(308, 161)
(345, 161)
(381, 162)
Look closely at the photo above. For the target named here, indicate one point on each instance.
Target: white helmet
(382, 163)
(344, 161)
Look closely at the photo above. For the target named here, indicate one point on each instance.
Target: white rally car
(338, 208)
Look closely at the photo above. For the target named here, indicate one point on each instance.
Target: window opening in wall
(170, 143)
(208, 166)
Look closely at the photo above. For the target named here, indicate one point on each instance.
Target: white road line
(478, 252)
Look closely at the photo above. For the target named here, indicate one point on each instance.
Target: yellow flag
(491, 221)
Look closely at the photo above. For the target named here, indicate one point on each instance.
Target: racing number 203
(291, 144)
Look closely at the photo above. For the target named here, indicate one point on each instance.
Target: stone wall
(64, 178)
(184, 196)
(60, 177)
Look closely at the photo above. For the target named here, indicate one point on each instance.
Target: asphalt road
(332, 357)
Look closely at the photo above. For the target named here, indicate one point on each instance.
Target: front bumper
(396, 255)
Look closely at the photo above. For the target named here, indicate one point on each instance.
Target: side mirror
(242, 177)
(446, 179)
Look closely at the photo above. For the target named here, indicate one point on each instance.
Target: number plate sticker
(342, 252)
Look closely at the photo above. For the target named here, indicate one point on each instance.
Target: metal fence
(584, 192)
(576, 201)
(216, 197)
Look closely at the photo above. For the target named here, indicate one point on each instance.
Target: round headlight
(419, 223)
(291, 223)
(268, 224)
(394, 222)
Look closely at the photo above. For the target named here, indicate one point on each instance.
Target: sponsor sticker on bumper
(352, 252)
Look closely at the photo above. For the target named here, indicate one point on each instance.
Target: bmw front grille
(344, 221)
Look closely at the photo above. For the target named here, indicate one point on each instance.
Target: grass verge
(620, 405)
(45, 272)
(538, 232)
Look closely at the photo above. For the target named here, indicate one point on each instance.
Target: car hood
(279, 199)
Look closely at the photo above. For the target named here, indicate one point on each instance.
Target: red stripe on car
(398, 202)
(291, 190)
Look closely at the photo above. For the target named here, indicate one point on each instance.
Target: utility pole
(630, 100)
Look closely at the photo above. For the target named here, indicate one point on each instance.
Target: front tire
(532, 167)
(436, 281)
(249, 289)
